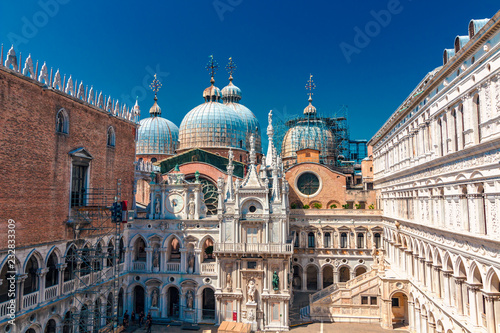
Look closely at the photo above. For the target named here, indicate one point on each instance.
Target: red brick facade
(36, 166)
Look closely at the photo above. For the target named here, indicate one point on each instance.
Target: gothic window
(79, 176)
(311, 240)
(111, 137)
(62, 123)
(110, 259)
(175, 250)
(51, 279)
(343, 240)
(31, 282)
(71, 264)
(296, 239)
(140, 250)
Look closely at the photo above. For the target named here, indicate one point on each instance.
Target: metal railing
(253, 248)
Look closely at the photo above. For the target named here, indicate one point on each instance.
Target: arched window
(121, 251)
(71, 262)
(98, 258)
(154, 160)
(310, 240)
(327, 242)
(481, 214)
(85, 266)
(62, 123)
(140, 250)
(51, 279)
(376, 238)
(296, 239)
(31, 282)
(343, 240)
(361, 240)
(110, 259)
(175, 250)
(111, 137)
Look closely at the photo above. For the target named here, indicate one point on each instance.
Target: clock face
(174, 203)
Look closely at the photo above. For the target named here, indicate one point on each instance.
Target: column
(473, 289)
(183, 252)
(20, 278)
(460, 301)
(411, 316)
(417, 320)
(60, 278)
(238, 275)
(447, 291)
(436, 283)
(149, 259)
(429, 280)
(490, 313)
(451, 130)
(424, 323)
(41, 272)
(304, 279)
(266, 272)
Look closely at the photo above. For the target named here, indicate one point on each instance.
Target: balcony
(172, 267)
(51, 292)
(30, 299)
(253, 248)
(139, 266)
(68, 286)
(208, 268)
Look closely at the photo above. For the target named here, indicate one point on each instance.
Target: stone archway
(344, 274)
(139, 299)
(208, 304)
(173, 302)
(399, 310)
(360, 270)
(327, 276)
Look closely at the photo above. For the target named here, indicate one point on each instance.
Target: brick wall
(35, 175)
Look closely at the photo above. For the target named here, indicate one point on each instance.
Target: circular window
(137, 278)
(295, 259)
(252, 209)
(172, 279)
(308, 183)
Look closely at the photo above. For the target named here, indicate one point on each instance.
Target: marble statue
(157, 206)
(251, 291)
(189, 301)
(191, 209)
(156, 258)
(191, 262)
(229, 282)
(276, 281)
(154, 298)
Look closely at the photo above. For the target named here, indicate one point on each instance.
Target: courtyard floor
(311, 328)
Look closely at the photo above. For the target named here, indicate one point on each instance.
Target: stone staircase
(342, 302)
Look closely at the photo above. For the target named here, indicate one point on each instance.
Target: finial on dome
(212, 67)
(230, 68)
(310, 109)
(155, 110)
(155, 86)
(310, 86)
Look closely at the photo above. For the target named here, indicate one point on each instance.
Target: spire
(310, 109)
(230, 168)
(252, 150)
(270, 134)
(155, 110)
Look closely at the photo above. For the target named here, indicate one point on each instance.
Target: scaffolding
(327, 133)
(94, 268)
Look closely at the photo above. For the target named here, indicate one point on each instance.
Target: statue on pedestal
(191, 209)
(276, 281)
(157, 206)
(229, 282)
(154, 298)
(156, 261)
(191, 263)
(251, 291)
(189, 300)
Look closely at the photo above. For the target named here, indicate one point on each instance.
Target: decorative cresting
(70, 87)
(212, 124)
(231, 96)
(156, 135)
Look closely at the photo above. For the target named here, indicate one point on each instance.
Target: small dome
(308, 133)
(155, 110)
(231, 93)
(310, 109)
(157, 135)
(212, 93)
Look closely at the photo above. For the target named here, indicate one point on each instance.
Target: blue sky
(117, 45)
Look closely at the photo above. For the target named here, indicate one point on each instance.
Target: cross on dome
(212, 66)
(310, 86)
(230, 68)
(155, 85)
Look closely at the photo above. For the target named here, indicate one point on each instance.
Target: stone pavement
(311, 328)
